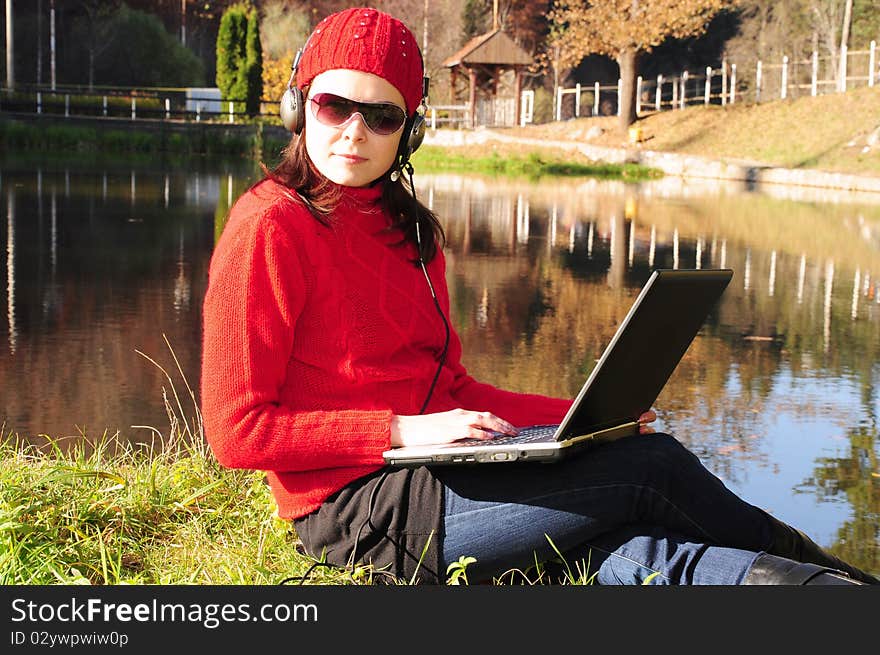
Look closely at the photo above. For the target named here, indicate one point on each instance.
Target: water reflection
(778, 394)
(101, 266)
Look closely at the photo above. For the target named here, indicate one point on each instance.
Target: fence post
(841, 79)
(732, 83)
(724, 81)
(133, 114)
(708, 90)
(66, 104)
(167, 109)
(675, 85)
(596, 99)
(684, 79)
(658, 93)
(872, 62)
(231, 114)
(433, 118)
(638, 95)
(39, 102)
(105, 105)
(619, 93)
(814, 77)
(198, 112)
(758, 81)
(784, 87)
(577, 100)
(559, 103)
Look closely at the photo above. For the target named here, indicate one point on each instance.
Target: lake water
(105, 271)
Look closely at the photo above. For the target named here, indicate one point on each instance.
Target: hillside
(836, 132)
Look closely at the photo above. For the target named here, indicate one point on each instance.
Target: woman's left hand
(648, 417)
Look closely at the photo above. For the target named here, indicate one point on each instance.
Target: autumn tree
(624, 30)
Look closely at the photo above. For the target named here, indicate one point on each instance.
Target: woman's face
(350, 154)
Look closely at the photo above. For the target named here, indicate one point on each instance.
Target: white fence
(762, 81)
(490, 112)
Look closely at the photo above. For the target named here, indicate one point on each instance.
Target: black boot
(791, 543)
(772, 570)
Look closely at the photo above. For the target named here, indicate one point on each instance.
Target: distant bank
(753, 173)
(830, 141)
(99, 137)
(119, 136)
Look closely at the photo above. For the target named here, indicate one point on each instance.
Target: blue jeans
(632, 507)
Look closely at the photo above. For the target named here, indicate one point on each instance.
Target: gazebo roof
(493, 48)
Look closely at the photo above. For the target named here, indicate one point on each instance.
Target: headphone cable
(442, 360)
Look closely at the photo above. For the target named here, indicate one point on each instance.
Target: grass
(533, 165)
(104, 511)
(93, 141)
(837, 132)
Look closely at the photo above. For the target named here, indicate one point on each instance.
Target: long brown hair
(322, 196)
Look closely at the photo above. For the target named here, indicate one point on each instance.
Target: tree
(147, 54)
(624, 30)
(475, 18)
(232, 54)
(253, 64)
(97, 16)
(240, 57)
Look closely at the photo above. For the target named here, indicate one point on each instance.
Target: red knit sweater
(315, 336)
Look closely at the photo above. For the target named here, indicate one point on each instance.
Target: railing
(184, 105)
(761, 81)
(157, 104)
(451, 115)
(488, 111)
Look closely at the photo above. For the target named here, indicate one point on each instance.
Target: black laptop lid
(646, 348)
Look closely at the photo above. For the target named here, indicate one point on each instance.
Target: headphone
(293, 117)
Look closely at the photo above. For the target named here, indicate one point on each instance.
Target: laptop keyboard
(530, 434)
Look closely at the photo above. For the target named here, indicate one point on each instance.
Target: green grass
(102, 511)
(833, 132)
(105, 513)
(533, 165)
(85, 141)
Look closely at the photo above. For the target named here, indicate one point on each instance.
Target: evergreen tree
(254, 64)
(232, 54)
(475, 19)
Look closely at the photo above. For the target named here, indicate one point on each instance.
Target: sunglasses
(382, 118)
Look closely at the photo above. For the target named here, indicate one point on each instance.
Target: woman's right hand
(446, 427)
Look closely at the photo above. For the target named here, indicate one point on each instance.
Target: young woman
(327, 340)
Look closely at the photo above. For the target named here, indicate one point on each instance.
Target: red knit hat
(368, 40)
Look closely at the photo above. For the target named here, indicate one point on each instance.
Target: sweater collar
(363, 197)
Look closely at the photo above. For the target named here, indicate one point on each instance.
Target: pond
(106, 268)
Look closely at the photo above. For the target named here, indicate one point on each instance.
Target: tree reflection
(535, 313)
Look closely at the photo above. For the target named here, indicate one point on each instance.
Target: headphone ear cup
(413, 135)
(291, 110)
(416, 134)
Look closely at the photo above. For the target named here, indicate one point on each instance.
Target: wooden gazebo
(484, 59)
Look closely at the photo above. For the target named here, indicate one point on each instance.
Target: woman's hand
(446, 427)
(648, 417)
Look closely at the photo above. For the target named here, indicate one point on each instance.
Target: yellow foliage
(276, 73)
(582, 28)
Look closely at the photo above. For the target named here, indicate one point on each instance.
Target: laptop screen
(646, 348)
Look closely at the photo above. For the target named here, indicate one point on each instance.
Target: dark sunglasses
(381, 118)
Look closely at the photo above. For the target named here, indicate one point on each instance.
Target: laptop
(632, 371)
